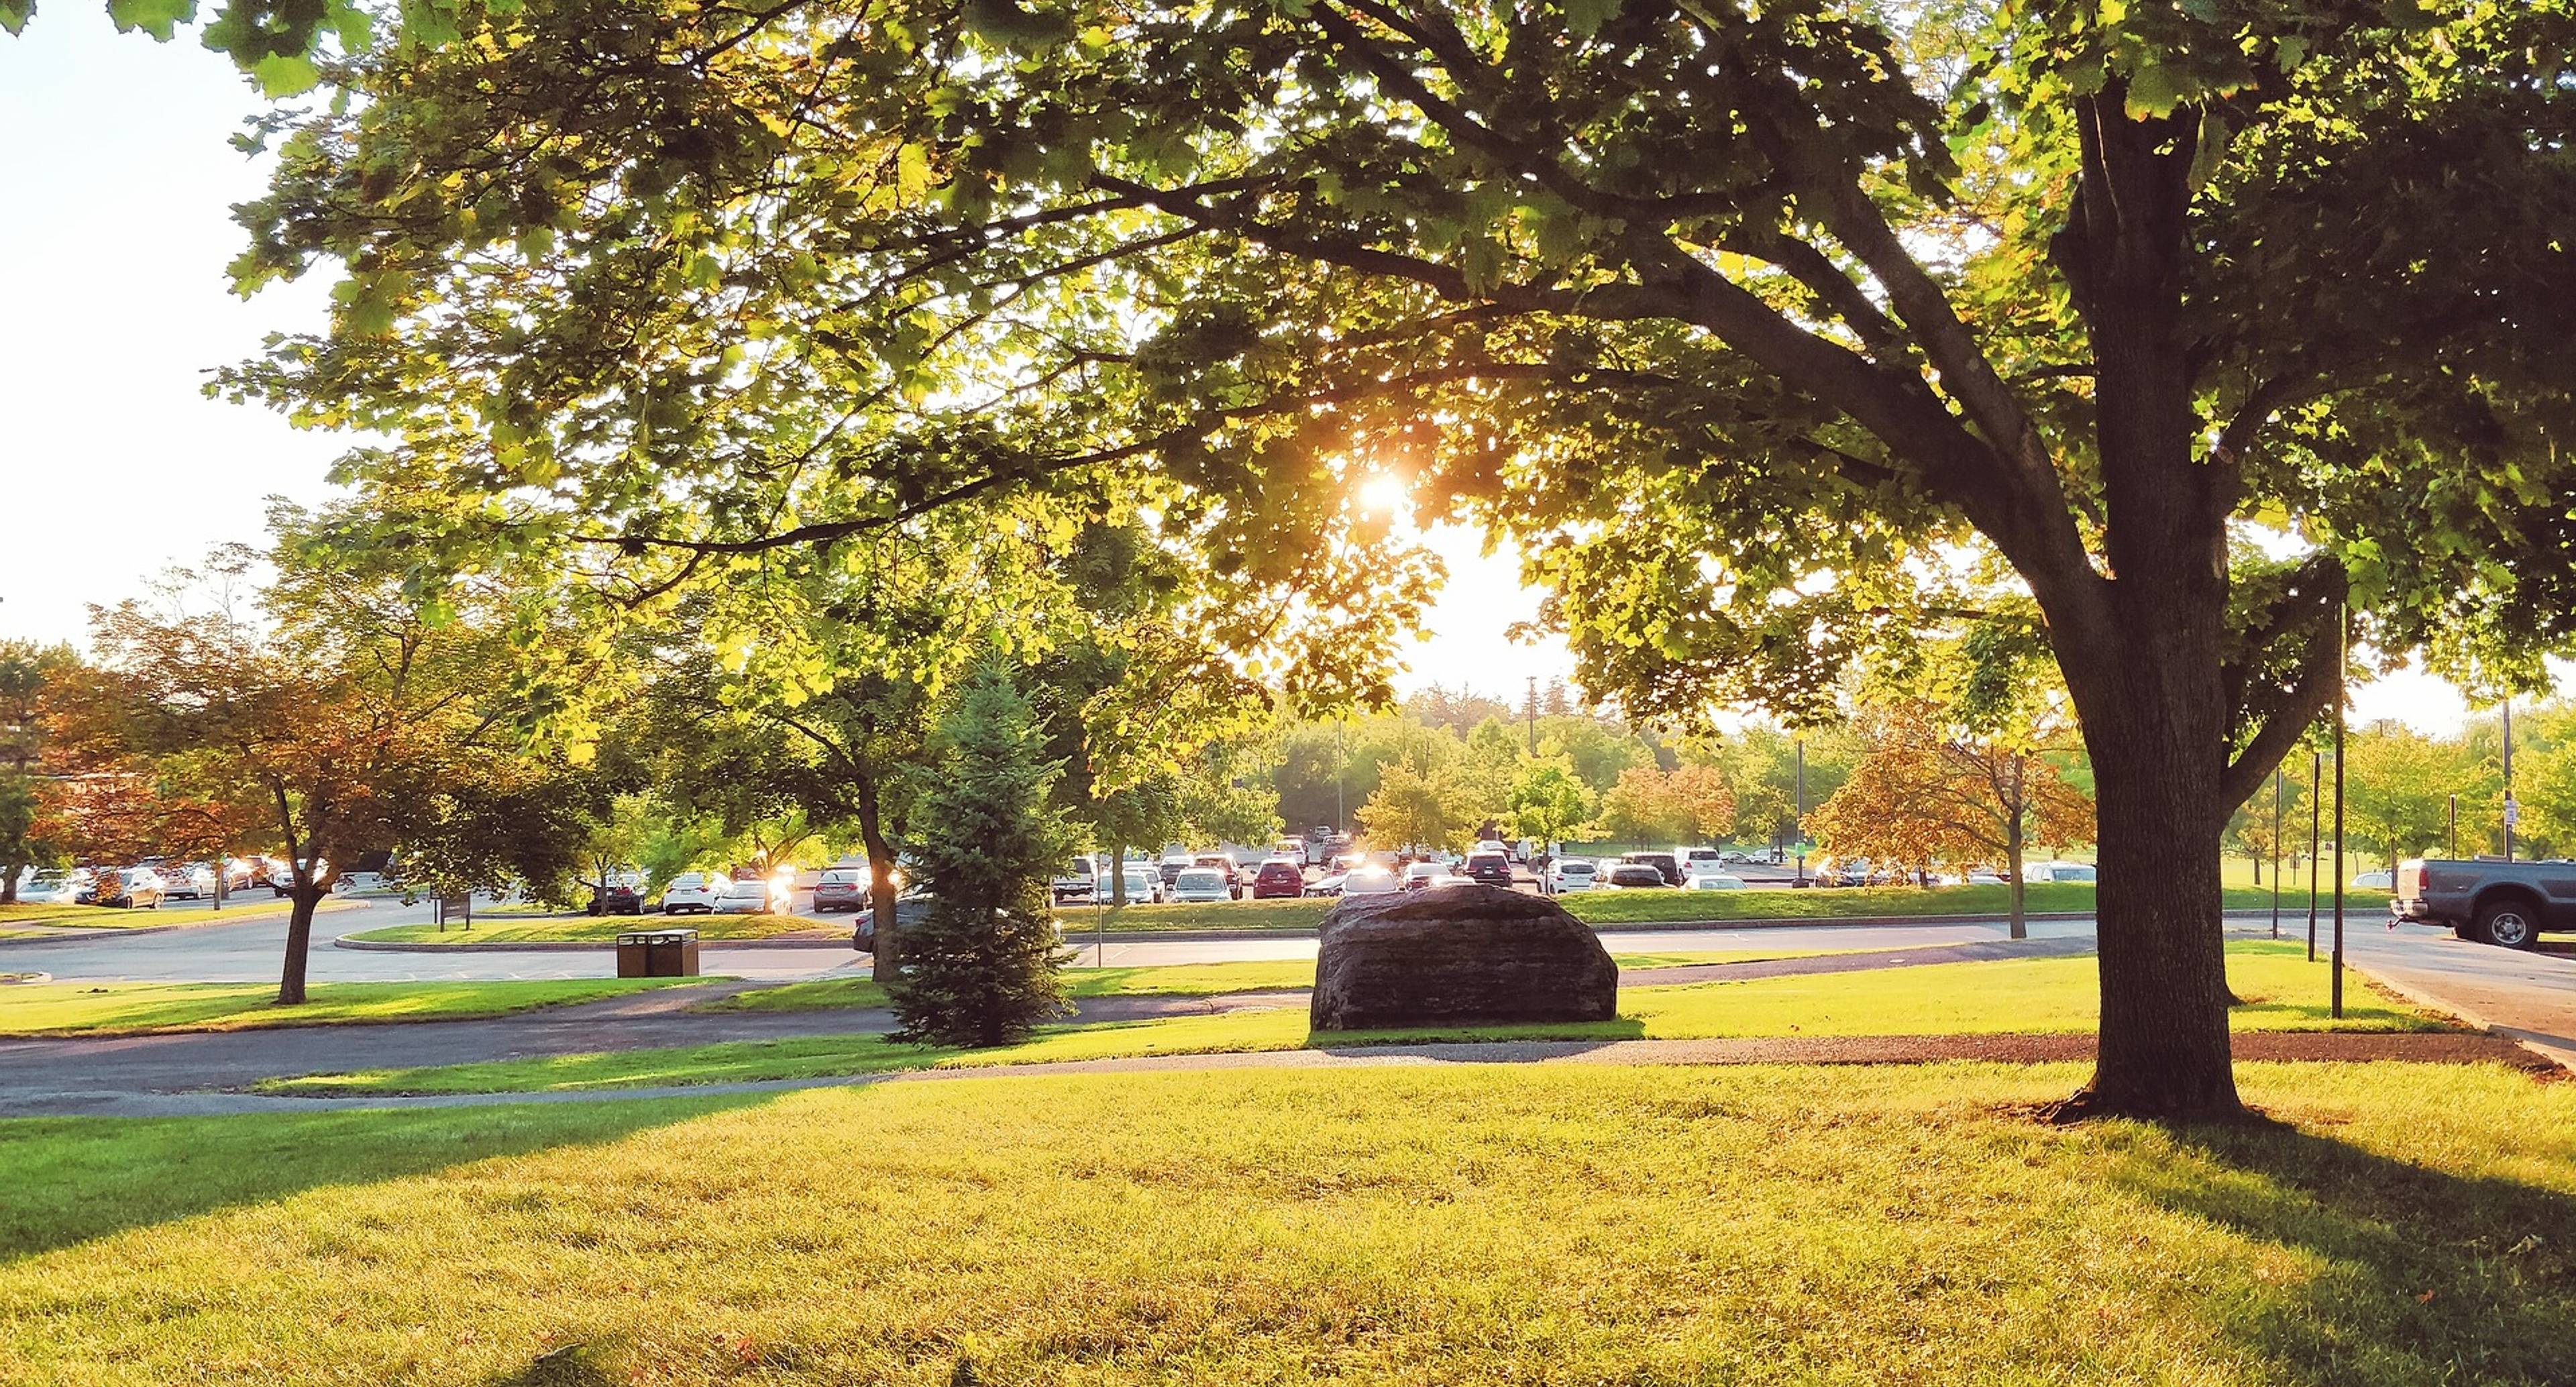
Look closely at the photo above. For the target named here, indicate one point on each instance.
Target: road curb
(94, 935)
(2528, 1040)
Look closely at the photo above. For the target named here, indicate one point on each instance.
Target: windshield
(1201, 880)
(842, 878)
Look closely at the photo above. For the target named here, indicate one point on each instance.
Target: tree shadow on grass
(77, 1178)
(1466, 1033)
(2426, 1276)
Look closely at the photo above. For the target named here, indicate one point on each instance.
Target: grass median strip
(1173, 980)
(2280, 989)
(2392, 1224)
(602, 929)
(147, 1008)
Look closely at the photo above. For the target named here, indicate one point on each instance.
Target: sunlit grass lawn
(1170, 980)
(2398, 1224)
(128, 1008)
(527, 929)
(2280, 989)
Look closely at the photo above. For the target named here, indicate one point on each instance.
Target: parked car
(1666, 865)
(1076, 884)
(1490, 866)
(1713, 881)
(1370, 881)
(1143, 885)
(741, 898)
(1172, 865)
(910, 912)
(56, 888)
(1219, 862)
(1201, 884)
(840, 888)
(1700, 860)
(1416, 875)
(188, 880)
(2375, 881)
(2059, 871)
(2506, 904)
(1573, 874)
(281, 873)
(1278, 877)
(130, 888)
(690, 893)
(1635, 876)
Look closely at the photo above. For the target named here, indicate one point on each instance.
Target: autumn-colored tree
(27, 670)
(1926, 793)
(2396, 790)
(1644, 808)
(1702, 798)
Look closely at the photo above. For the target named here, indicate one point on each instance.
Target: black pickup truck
(2489, 900)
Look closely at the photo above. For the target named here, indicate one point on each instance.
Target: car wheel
(2509, 924)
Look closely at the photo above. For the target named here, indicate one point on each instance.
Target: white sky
(114, 303)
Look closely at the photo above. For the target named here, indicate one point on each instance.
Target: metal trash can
(658, 953)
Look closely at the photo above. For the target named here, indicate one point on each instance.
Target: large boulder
(1448, 954)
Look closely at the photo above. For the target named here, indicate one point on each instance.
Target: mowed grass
(587, 928)
(1173, 980)
(2392, 1224)
(138, 1008)
(2281, 991)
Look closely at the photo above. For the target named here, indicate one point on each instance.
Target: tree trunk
(299, 938)
(2012, 874)
(2156, 732)
(882, 869)
(1117, 870)
(2142, 644)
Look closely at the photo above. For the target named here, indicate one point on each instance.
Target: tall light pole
(1801, 825)
(2511, 810)
(2317, 803)
(2276, 852)
(2455, 828)
(2343, 653)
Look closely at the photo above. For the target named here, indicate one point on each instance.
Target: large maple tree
(1740, 315)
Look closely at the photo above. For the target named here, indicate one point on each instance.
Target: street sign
(2512, 814)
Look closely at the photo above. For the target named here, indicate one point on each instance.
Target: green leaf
(2154, 89)
(13, 14)
(159, 18)
(1585, 17)
(283, 74)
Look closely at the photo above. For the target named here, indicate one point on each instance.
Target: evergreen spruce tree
(983, 969)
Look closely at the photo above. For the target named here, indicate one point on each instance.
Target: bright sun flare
(1383, 492)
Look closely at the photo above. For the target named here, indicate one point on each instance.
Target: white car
(690, 893)
(1369, 881)
(1201, 884)
(741, 898)
(2060, 871)
(1573, 874)
(1712, 881)
(1144, 885)
(56, 888)
(2375, 881)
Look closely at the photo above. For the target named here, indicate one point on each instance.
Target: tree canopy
(1765, 327)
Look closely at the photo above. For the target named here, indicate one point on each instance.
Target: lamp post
(2276, 852)
(2343, 651)
(2512, 811)
(1802, 811)
(2455, 828)
(2317, 803)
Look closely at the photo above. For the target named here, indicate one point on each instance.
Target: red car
(1278, 877)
